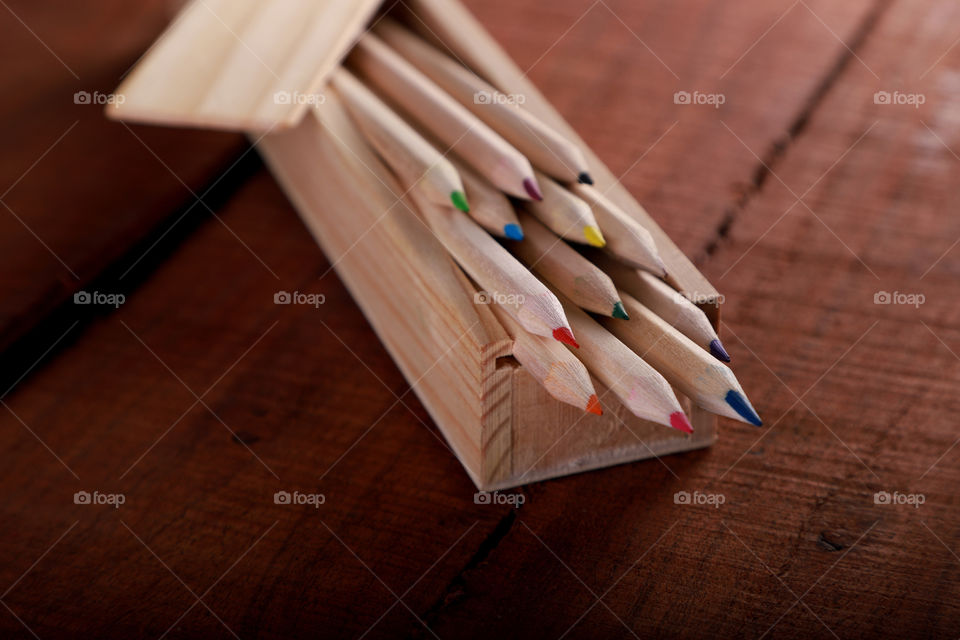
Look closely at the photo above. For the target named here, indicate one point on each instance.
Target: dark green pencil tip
(584, 178)
(460, 201)
(619, 311)
(742, 406)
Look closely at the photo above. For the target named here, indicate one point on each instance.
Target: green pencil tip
(619, 311)
(460, 201)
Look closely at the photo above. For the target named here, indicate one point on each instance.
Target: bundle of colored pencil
(477, 165)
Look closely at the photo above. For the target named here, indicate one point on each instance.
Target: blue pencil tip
(742, 406)
(513, 231)
(718, 352)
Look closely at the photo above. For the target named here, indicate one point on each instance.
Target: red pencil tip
(565, 336)
(532, 189)
(679, 421)
(593, 405)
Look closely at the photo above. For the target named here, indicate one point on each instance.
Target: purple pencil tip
(718, 352)
(532, 189)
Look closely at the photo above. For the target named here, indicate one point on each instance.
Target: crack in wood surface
(66, 323)
(781, 146)
(454, 591)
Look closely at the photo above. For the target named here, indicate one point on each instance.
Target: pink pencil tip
(565, 336)
(532, 189)
(679, 421)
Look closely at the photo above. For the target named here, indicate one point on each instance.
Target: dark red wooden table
(804, 197)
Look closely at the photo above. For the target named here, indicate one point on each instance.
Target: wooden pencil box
(503, 426)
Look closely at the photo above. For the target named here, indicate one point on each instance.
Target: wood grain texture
(79, 192)
(877, 409)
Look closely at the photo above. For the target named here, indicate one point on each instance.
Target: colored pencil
(665, 301)
(488, 206)
(627, 240)
(552, 365)
(641, 389)
(505, 281)
(458, 129)
(549, 151)
(573, 275)
(565, 214)
(710, 384)
(414, 161)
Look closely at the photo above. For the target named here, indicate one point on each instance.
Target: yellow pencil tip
(594, 237)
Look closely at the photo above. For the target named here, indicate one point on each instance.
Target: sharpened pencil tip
(459, 200)
(594, 237)
(742, 406)
(593, 405)
(679, 421)
(716, 348)
(619, 311)
(584, 178)
(513, 231)
(565, 336)
(533, 189)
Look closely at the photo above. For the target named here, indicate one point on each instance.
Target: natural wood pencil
(426, 103)
(627, 240)
(413, 159)
(566, 214)
(576, 277)
(665, 301)
(552, 365)
(488, 206)
(689, 368)
(505, 281)
(544, 146)
(639, 386)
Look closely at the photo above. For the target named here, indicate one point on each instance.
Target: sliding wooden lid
(249, 65)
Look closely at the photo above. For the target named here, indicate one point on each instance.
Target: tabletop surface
(810, 177)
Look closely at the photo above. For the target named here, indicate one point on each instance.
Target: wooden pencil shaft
(564, 213)
(414, 160)
(506, 282)
(488, 206)
(658, 296)
(627, 240)
(544, 147)
(422, 100)
(637, 384)
(550, 363)
(556, 262)
(690, 369)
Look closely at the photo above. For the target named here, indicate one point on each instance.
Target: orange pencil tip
(593, 405)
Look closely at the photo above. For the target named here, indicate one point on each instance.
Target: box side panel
(396, 270)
